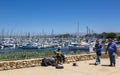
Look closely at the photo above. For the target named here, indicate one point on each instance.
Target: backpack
(45, 62)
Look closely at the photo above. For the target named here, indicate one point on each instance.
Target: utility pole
(87, 30)
(78, 29)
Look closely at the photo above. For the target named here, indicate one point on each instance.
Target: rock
(7, 65)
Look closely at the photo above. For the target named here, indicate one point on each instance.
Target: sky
(60, 16)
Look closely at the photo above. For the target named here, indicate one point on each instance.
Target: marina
(67, 45)
(59, 37)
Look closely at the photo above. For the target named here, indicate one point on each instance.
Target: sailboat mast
(78, 29)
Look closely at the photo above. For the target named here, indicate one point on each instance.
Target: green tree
(111, 35)
(99, 36)
(118, 38)
(104, 34)
(64, 36)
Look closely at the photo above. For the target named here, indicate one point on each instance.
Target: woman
(98, 47)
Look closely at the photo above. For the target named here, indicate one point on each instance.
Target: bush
(71, 53)
(25, 55)
(78, 52)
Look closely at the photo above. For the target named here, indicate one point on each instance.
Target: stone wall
(9, 65)
(118, 51)
(73, 58)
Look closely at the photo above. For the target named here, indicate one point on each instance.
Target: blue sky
(60, 15)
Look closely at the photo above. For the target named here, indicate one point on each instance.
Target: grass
(24, 55)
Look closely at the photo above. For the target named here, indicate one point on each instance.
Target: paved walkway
(83, 68)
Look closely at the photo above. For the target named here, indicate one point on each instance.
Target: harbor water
(65, 50)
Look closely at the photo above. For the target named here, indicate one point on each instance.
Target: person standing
(98, 47)
(111, 49)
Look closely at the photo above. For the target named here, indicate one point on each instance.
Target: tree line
(109, 35)
(102, 35)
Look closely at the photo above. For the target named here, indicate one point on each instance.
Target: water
(65, 50)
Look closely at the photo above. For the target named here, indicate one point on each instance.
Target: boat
(29, 46)
(79, 46)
